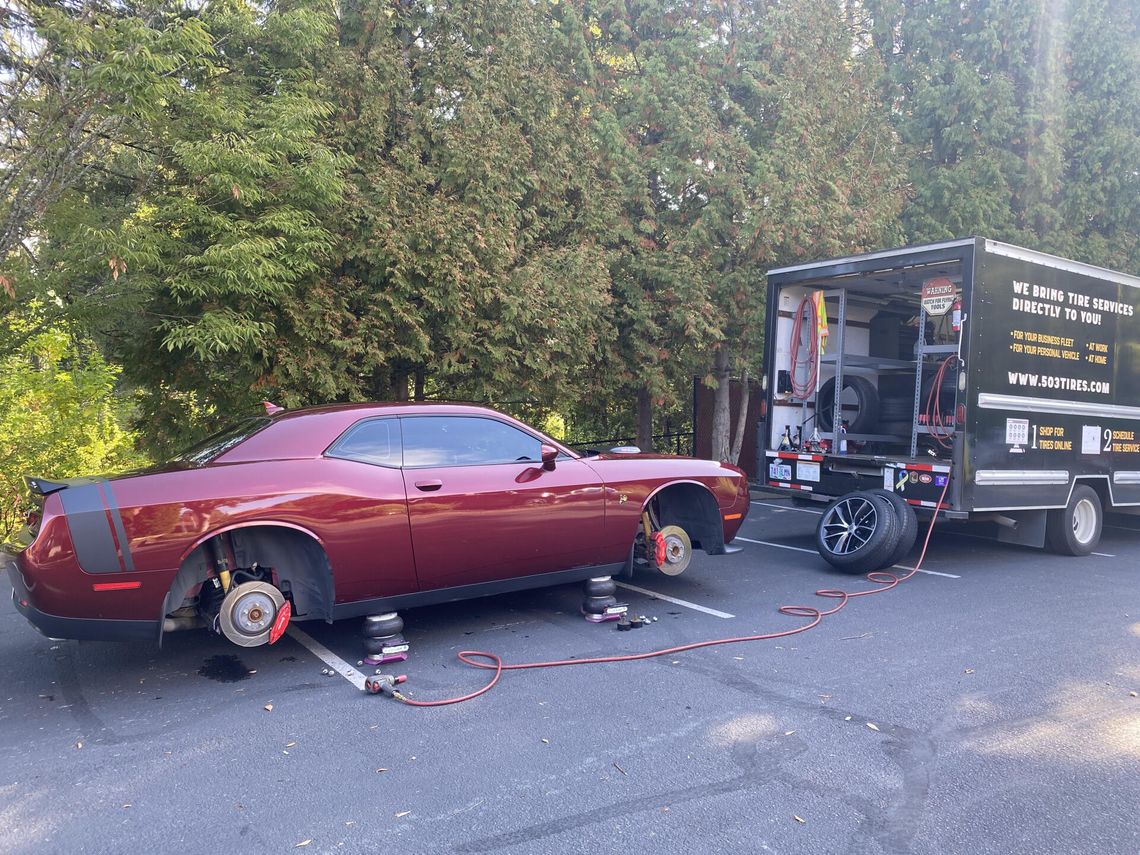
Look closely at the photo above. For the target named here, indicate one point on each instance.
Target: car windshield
(221, 442)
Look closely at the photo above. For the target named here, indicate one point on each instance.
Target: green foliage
(466, 241)
(180, 248)
(744, 135)
(59, 414)
(567, 205)
(1022, 121)
(77, 81)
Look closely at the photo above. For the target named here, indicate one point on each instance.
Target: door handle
(428, 486)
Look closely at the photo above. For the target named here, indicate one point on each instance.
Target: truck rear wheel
(1075, 529)
(858, 532)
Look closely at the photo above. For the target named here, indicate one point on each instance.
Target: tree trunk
(421, 376)
(644, 419)
(741, 419)
(399, 384)
(722, 402)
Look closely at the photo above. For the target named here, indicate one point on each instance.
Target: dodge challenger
(342, 511)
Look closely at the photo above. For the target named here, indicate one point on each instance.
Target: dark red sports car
(341, 511)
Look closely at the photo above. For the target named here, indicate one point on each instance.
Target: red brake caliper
(659, 548)
(280, 622)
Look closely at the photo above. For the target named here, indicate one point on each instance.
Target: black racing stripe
(87, 521)
(117, 521)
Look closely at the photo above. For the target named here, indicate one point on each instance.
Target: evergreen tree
(746, 135)
(467, 254)
(1021, 119)
(187, 226)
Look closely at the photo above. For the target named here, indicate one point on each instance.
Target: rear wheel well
(299, 564)
(693, 508)
(1100, 487)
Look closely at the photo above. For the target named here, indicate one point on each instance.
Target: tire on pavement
(857, 532)
(908, 526)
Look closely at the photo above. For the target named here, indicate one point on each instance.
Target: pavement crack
(760, 767)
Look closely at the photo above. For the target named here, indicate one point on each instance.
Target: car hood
(638, 456)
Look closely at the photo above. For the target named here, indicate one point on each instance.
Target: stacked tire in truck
(971, 379)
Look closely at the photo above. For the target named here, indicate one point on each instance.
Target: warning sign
(937, 296)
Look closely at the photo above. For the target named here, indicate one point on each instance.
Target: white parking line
(777, 545)
(669, 599)
(1103, 554)
(814, 552)
(327, 656)
(927, 572)
(788, 508)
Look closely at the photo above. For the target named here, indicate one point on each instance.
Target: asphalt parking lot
(981, 707)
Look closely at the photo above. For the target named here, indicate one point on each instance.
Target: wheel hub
(251, 615)
(248, 612)
(678, 550)
(1084, 521)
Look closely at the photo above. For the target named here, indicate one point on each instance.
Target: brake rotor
(678, 550)
(248, 611)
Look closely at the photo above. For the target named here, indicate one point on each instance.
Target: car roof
(380, 408)
(308, 431)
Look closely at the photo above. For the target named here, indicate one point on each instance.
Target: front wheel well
(299, 564)
(693, 508)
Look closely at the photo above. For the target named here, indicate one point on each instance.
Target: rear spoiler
(44, 487)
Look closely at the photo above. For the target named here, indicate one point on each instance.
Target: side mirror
(549, 452)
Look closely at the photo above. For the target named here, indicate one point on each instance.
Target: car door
(483, 508)
(367, 512)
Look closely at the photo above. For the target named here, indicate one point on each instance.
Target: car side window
(375, 441)
(465, 441)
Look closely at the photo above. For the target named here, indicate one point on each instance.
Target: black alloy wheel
(858, 532)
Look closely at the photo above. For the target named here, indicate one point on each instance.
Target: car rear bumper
(82, 629)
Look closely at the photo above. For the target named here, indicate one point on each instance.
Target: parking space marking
(676, 601)
(1103, 554)
(787, 508)
(927, 572)
(778, 545)
(814, 552)
(327, 656)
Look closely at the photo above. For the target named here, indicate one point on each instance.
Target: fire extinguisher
(956, 317)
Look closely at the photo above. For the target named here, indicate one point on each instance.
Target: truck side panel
(1054, 381)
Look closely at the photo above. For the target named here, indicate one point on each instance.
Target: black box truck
(969, 378)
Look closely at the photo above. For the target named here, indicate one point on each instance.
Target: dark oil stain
(288, 658)
(224, 669)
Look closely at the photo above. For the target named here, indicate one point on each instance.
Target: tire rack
(839, 359)
(921, 351)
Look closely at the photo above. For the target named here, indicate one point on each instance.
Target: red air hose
(804, 390)
(492, 662)
(942, 431)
